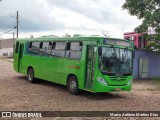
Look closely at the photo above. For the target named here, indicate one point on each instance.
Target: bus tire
(30, 75)
(72, 85)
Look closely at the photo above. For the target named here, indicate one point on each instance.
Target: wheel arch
(29, 67)
(71, 74)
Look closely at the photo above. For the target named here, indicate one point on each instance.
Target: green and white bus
(95, 64)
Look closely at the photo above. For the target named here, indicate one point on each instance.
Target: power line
(8, 30)
(15, 27)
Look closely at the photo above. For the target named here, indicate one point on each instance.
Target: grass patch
(158, 88)
(2, 58)
(155, 89)
(156, 80)
(150, 89)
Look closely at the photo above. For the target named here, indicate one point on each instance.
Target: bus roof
(88, 38)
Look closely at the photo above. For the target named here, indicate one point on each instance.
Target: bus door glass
(90, 58)
(16, 59)
(20, 56)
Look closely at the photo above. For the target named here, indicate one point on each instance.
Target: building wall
(153, 63)
(6, 43)
(138, 38)
(8, 51)
(6, 47)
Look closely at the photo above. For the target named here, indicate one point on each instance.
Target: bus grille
(118, 78)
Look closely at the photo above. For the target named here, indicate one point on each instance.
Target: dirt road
(16, 93)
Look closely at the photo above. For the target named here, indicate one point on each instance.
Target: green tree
(149, 12)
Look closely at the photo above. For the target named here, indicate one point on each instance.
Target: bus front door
(20, 56)
(90, 64)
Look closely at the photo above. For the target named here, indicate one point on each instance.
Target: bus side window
(34, 48)
(45, 48)
(58, 49)
(74, 50)
(17, 47)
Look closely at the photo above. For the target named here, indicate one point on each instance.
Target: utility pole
(17, 23)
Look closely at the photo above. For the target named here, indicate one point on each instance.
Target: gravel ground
(16, 93)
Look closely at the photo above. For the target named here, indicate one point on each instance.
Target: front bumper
(103, 88)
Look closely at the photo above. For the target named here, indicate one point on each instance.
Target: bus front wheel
(30, 75)
(72, 85)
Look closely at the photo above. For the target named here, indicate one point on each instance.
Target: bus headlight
(129, 82)
(102, 81)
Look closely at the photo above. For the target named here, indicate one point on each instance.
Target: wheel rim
(73, 85)
(30, 75)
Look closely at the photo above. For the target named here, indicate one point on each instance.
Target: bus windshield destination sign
(117, 42)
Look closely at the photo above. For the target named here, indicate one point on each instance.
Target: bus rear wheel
(30, 75)
(72, 85)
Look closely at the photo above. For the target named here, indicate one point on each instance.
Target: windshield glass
(115, 60)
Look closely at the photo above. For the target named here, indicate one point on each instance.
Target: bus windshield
(115, 60)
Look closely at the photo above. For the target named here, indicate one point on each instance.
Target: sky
(60, 17)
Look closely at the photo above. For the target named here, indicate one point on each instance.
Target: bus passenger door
(90, 64)
(20, 57)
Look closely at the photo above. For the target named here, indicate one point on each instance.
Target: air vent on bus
(118, 78)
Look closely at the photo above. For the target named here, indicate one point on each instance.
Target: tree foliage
(149, 12)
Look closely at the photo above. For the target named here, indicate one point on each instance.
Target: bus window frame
(17, 47)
